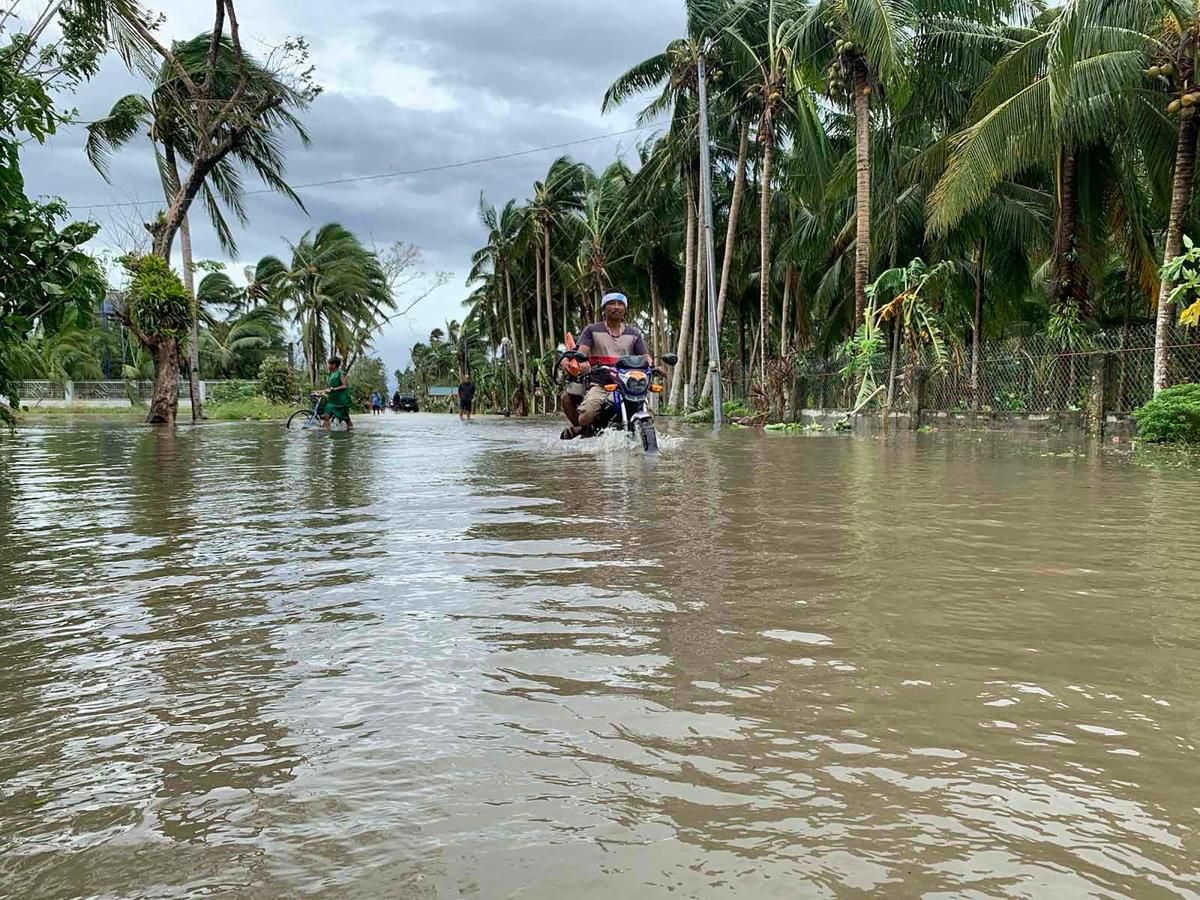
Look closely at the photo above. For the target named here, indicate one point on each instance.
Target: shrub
(277, 380)
(233, 391)
(257, 408)
(1172, 416)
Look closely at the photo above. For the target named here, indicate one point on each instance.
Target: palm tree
(168, 115)
(1144, 53)
(766, 43)
(498, 258)
(337, 290)
(675, 71)
(554, 198)
(866, 45)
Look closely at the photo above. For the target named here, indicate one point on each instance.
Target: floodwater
(435, 660)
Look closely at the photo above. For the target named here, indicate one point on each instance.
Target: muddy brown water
(434, 660)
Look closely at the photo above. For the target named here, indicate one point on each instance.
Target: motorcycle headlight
(636, 384)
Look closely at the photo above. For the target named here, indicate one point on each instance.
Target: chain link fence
(1017, 374)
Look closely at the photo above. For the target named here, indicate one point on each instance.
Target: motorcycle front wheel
(648, 436)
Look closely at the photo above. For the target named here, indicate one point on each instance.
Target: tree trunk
(893, 368)
(1064, 292)
(783, 318)
(735, 206)
(862, 203)
(1124, 345)
(164, 400)
(554, 339)
(1181, 200)
(743, 328)
(977, 324)
(185, 247)
(685, 319)
(512, 330)
(764, 272)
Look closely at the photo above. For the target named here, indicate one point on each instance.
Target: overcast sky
(408, 85)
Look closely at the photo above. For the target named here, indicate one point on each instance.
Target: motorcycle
(633, 380)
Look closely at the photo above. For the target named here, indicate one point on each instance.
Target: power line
(401, 174)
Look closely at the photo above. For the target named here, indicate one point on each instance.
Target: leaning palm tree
(168, 117)
(554, 198)
(498, 258)
(232, 348)
(337, 292)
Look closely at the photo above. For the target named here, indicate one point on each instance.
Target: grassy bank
(257, 409)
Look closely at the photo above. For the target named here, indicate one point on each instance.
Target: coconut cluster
(1187, 97)
(839, 87)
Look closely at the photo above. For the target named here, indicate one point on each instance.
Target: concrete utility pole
(714, 343)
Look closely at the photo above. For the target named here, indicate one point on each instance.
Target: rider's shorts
(575, 388)
(593, 401)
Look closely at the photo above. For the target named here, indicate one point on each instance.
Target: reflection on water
(434, 660)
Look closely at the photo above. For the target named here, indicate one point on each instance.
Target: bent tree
(226, 108)
(158, 313)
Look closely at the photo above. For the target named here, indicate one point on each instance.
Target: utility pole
(714, 343)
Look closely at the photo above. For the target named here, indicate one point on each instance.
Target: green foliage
(255, 408)
(1172, 416)
(368, 375)
(158, 304)
(234, 392)
(731, 409)
(277, 380)
(1184, 272)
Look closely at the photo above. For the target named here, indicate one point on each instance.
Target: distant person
(337, 396)
(466, 399)
(376, 403)
(396, 402)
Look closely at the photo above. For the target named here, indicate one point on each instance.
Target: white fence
(99, 394)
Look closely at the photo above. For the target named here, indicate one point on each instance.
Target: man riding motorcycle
(604, 343)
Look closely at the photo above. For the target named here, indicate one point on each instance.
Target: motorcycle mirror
(670, 359)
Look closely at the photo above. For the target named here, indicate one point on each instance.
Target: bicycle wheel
(300, 418)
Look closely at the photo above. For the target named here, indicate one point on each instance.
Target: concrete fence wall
(99, 394)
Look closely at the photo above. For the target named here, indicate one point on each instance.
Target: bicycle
(311, 417)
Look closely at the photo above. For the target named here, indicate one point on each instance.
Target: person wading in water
(337, 397)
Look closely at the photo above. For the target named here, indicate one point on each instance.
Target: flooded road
(434, 660)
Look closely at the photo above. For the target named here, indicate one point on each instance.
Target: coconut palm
(505, 227)
(554, 198)
(1140, 57)
(765, 39)
(337, 292)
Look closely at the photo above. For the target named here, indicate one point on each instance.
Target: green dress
(337, 404)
